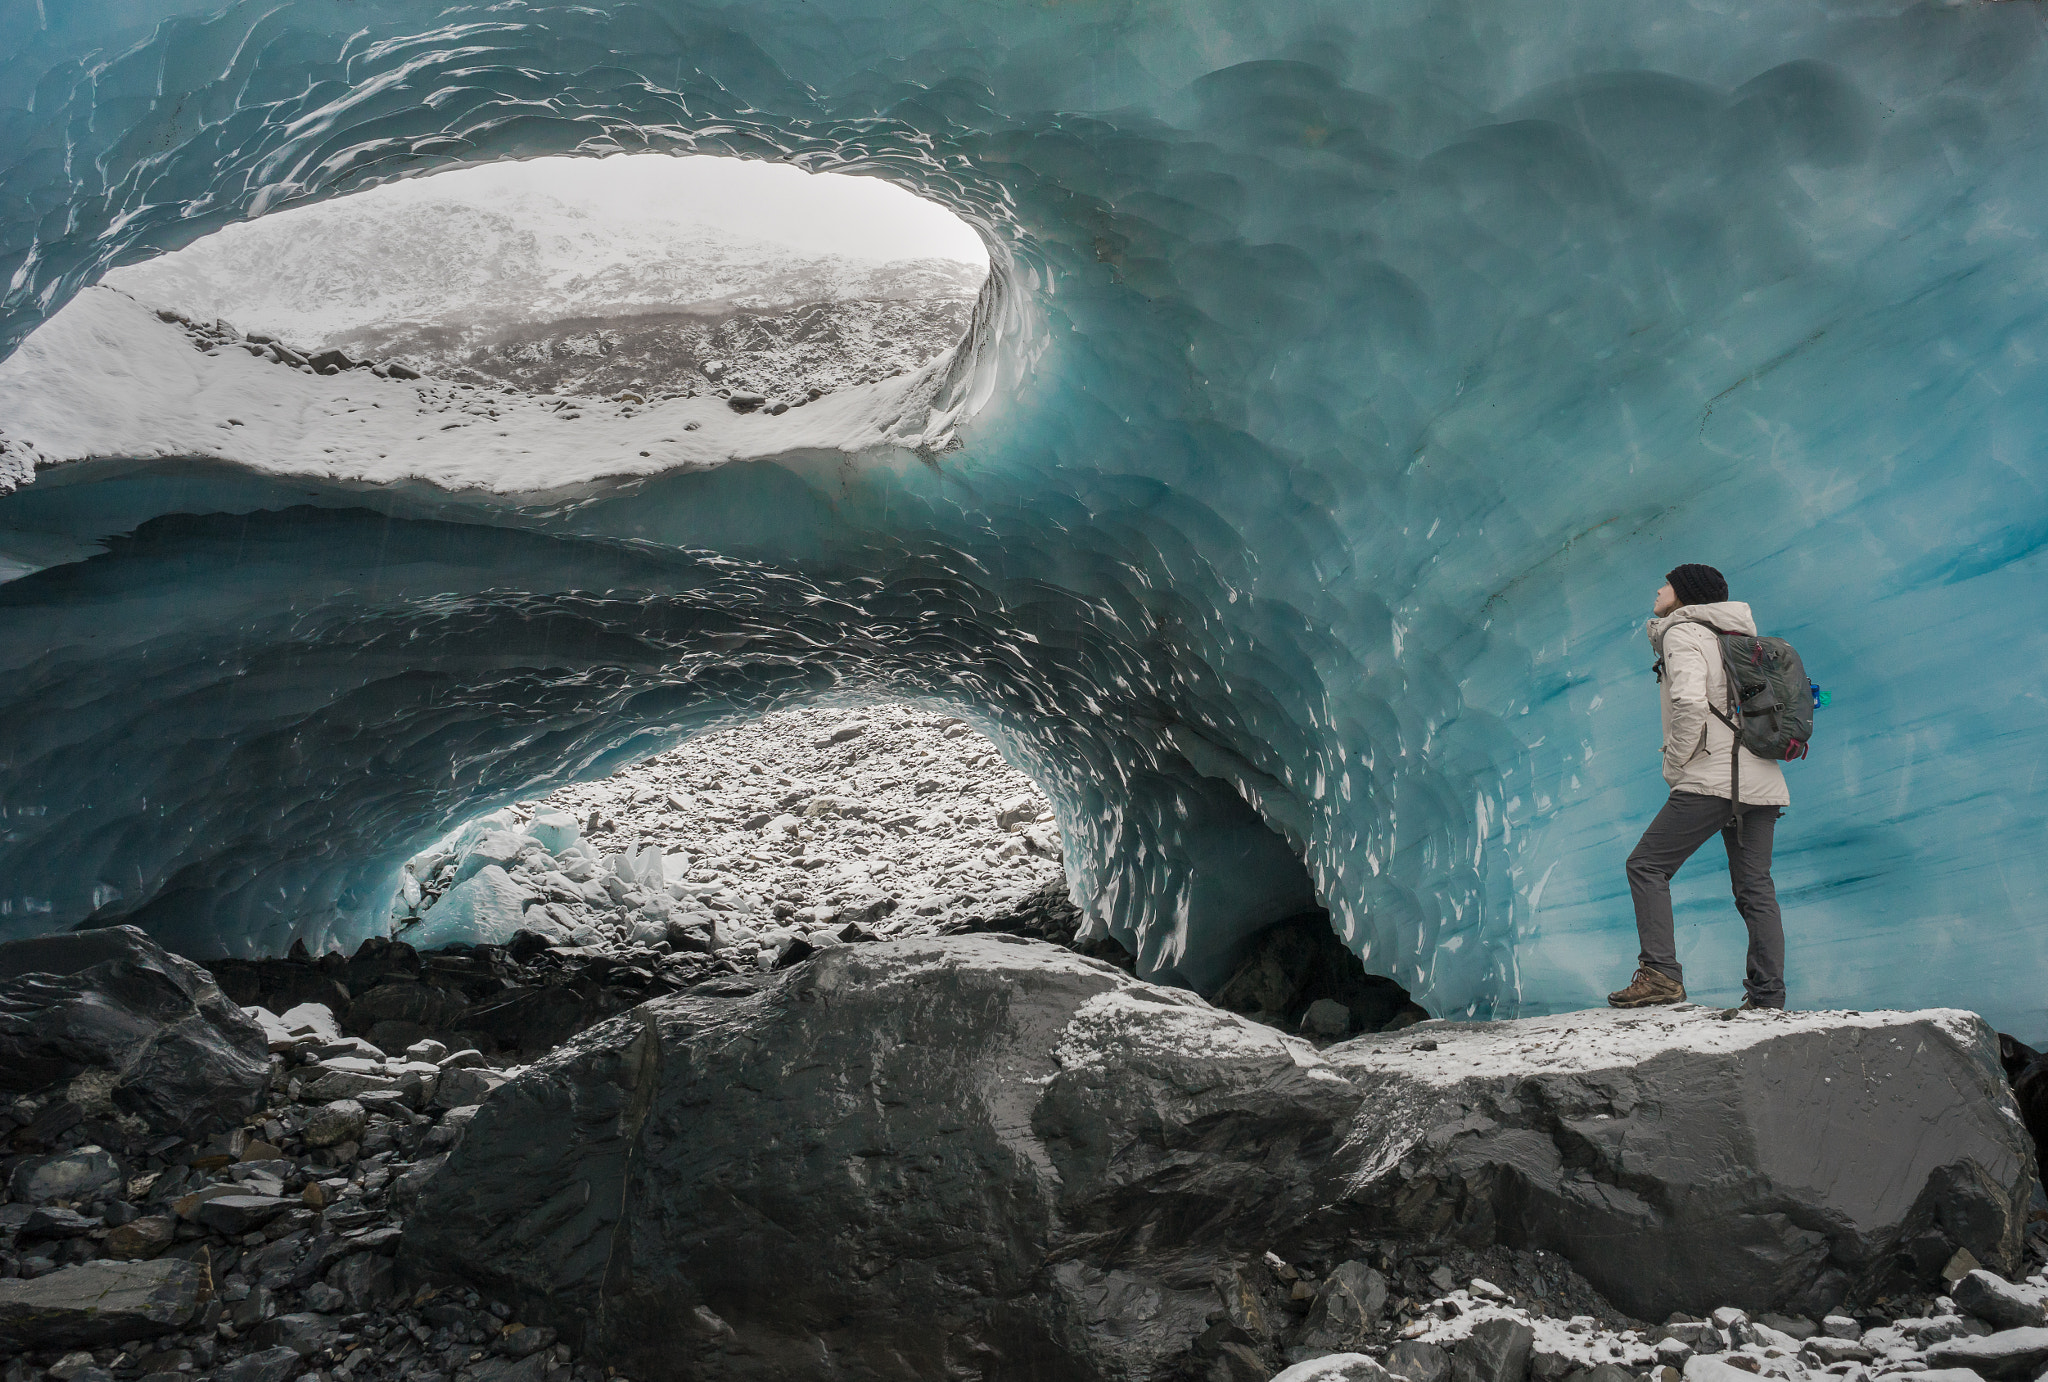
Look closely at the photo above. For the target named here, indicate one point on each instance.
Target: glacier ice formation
(1346, 380)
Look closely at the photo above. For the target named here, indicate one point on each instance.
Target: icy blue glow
(1349, 377)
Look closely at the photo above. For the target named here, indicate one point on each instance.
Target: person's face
(1667, 600)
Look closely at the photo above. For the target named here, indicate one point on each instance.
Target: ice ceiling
(1348, 378)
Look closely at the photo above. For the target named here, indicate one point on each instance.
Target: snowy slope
(107, 377)
(318, 274)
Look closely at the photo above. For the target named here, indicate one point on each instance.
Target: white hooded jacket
(1696, 743)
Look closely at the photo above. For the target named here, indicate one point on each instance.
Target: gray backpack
(1770, 702)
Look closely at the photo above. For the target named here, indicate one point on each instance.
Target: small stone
(340, 1121)
(1727, 1317)
(1997, 1301)
(1495, 1351)
(70, 1365)
(465, 1086)
(523, 1341)
(1673, 1352)
(279, 1364)
(141, 1239)
(324, 1298)
(1419, 1362)
(1841, 1327)
(1830, 1349)
(1793, 1326)
(89, 1173)
(238, 1214)
(1959, 1266)
(1326, 1017)
(55, 1222)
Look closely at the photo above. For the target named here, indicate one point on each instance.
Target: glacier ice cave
(1347, 378)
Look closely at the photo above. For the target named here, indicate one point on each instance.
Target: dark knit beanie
(1694, 584)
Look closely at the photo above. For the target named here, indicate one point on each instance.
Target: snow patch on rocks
(108, 377)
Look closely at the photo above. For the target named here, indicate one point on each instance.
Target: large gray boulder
(169, 1046)
(1683, 1159)
(904, 1160)
(981, 1155)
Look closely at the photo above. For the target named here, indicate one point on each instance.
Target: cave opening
(886, 818)
(635, 278)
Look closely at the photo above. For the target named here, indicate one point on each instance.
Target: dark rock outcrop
(1684, 1160)
(1293, 964)
(521, 999)
(903, 1159)
(2027, 1071)
(168, 1046)
(920, 1158)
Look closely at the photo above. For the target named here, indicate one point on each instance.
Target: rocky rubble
(974, 1155)
(262, 1251)
(790, 827)
(212, 337)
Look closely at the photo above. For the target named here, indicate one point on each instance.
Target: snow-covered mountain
(544, 294)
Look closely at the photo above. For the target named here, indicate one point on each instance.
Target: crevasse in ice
(1348, 378)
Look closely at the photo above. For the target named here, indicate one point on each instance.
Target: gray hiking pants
(1687, 821)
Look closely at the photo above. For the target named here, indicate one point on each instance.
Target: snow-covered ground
(494, 246)
(895, 818)
(109, 377)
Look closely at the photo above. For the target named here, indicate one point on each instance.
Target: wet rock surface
(134, 1033)
(1685, 1158)
(926, 1151)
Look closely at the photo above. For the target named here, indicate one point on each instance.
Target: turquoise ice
(1348, 378)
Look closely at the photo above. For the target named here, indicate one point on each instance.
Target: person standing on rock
(1692, 605)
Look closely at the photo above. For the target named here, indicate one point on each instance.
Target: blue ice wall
(1352, 374)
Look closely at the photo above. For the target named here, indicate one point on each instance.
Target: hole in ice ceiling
(893, 819)
(524, 327)
(645, 275)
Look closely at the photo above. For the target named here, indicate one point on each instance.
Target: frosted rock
(311, 1019)
(1336, 1367)
(485, 909)
(1546, 1092)
(1995, 1300)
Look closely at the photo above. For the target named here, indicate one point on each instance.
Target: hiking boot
(1647, 990)
(1750, 1005)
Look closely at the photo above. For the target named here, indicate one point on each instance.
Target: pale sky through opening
(815, 213)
